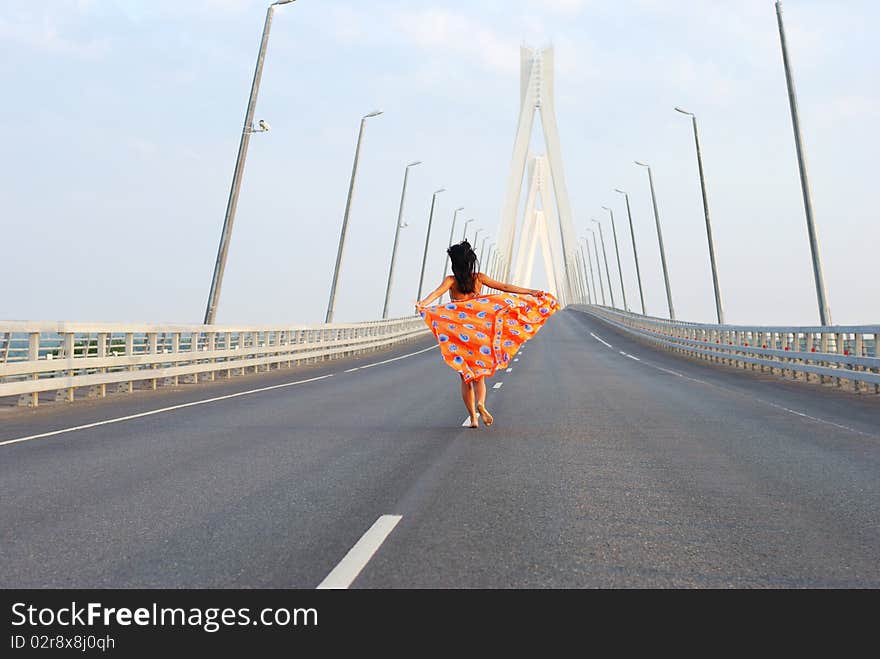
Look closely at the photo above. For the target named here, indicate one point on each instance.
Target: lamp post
(659, 239)
(451, 233)
(397, 229)
(238, 172)
(589, 262)
(719, 309)
(482, 250)
(428, 239)
(578, 289)
(583, 281)
(821, 297)
(632, 234)
(476, 235)
(605, 258)
(617, 251)
(464, 233)
(598, 266)
(341, 249)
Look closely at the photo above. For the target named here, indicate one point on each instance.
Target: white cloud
(441, 31)
(44, 35)
(226, 5)
(141, 146)
(570, 7)
(853, 107)
(347, 25)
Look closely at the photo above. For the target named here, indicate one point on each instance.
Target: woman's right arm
(437, 292)
(508, 288)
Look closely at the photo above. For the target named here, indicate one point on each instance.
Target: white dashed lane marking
(348, 569)
(600, 340)
(711, 384)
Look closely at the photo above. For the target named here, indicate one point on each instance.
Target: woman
(478, 334)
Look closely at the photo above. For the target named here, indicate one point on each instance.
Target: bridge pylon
(536, 96)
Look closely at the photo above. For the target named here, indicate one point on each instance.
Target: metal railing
(845, 356)
(65, 357)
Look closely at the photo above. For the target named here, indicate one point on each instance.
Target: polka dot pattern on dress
(512, 320)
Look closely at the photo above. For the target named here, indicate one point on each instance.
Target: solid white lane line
(394, 359)
(197, 402)
(497, 385)
(632, 357)
(600, 340)
(358, 556)
(351, 370)
(161, 410)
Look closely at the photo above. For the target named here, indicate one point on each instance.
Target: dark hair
(464, 265)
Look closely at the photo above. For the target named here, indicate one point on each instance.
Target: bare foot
(474, 422)
(488, 419)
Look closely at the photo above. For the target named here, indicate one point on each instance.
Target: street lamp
(238, 172)
(605, 257)
(632, 234)
(476, 235)
(583, 282)
(428, 239)
(341, 249)
(575, 288)
(617, 250)
(821, 297)
(659, 239)
(482, 250)
(397, 229)
(446, 258)
(498, 271)
(719, 309)
(598, 265)
(589, 262)
(464, 233)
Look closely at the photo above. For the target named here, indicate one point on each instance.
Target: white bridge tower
(557, 239)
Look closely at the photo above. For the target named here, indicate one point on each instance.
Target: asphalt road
(600, 470)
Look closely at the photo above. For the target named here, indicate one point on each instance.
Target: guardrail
(66, 357)
(845, 356)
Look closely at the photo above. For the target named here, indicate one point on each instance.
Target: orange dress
(480, 333)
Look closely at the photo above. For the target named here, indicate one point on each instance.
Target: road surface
(610, 464)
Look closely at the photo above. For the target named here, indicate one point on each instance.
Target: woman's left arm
(437, 292)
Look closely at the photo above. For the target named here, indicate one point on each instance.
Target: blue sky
(121, 121)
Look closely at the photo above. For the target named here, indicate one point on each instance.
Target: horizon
(122, 153)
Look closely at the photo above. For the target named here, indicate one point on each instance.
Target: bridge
(629, 449)
(625, 453)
